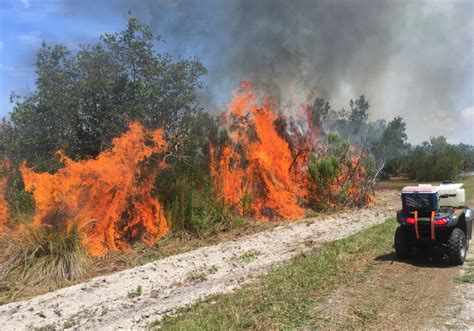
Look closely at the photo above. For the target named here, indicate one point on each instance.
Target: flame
(263, 171)
(254, 172)
(3, 205)
(5, 167)
(111, 193)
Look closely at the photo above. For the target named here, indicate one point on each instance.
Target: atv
(434, 216)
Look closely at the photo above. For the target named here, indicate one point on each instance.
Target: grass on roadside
(287, 297)
(48, 253)
(468, 276)
(174, 243)
(469, 187)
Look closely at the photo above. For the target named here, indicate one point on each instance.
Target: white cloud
(30, 39)
(4, 68)
(468, 113)
(25, 3)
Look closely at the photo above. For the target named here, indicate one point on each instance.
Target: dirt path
(421, 293)
(131, 298)
(394, 294)
(460, 315)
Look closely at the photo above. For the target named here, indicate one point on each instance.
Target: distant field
(399, 183)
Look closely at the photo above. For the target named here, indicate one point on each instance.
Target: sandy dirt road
(132, 298)
(416, 294)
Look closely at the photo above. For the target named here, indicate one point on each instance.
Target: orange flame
(111, 193)
(263, 170)
(254, 173)
(5, 166)
(3, 205)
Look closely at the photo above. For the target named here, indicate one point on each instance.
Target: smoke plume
(410, 58)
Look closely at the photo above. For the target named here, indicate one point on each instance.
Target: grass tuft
(46, 253)
(136, 292)
(468, 275)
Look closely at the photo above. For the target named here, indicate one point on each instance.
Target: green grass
(136, 292)
(288, 296)
(468, 276)
(245, 258)
(469, 187)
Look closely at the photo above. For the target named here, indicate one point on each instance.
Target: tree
(350, 125)
(359, 114)
(391, 146)
(467, 153)
(83, 100)
(434, 160)
(320, 112)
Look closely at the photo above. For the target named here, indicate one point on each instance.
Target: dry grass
(48, 253)
(114, 261)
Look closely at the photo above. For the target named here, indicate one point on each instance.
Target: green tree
(391, 146)
(467, 153)
(359, 114)
(435, 160)
(351, 124)
(84, 99)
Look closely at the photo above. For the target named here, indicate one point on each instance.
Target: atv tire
(403, 244)
(457, 247)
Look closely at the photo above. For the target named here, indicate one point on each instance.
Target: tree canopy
(83, 99)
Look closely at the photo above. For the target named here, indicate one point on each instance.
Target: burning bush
(273, 165)
(3, 204)
(258, 164)
(113, 190)
(51, 251)
(184, 186)
(340, 175)
(254, 169)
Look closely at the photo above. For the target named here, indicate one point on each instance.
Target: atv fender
(462, 218)
(468, 218)
(400, 217)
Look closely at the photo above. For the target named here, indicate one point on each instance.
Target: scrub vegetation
(84, 99)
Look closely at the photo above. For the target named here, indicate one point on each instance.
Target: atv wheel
(403, 244)
(457, 247)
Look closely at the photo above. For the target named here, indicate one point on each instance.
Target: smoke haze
(410, 58)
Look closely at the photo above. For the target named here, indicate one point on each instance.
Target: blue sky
(410, 58)
(24, 24)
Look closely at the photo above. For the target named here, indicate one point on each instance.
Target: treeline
(433, 160)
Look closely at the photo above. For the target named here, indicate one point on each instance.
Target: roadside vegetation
(47, 253)
(288, 296)
(468, 276)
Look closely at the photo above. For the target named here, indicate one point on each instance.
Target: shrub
(323, 171)
(198, 211)
(43, 253)
(339, 175)
(21, 204)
